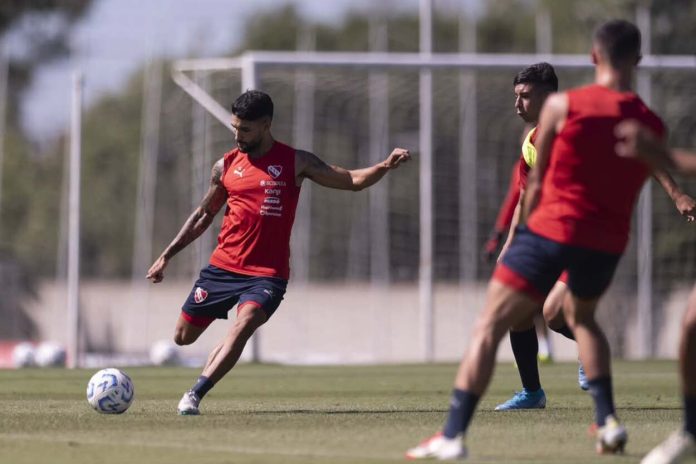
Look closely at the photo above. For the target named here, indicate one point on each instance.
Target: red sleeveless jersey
(261, 201)
(589, 191)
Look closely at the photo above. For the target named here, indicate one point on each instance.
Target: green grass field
(269, 414)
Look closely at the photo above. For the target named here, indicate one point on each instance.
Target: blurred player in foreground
(640, 141)
(577, 219)
(259, 182)
(532, 86)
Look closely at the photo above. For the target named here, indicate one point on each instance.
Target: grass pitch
(269, 414)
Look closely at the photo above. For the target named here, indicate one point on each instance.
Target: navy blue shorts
(216, 291)
(533, 264)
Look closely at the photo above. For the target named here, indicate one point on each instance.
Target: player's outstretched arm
(195, 225)
(310, 166)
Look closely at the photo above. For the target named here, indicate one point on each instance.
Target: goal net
(362, 251)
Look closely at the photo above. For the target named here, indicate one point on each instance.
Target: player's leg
(224, 356)
(189, 328)
(515, 293)
(687, 361)
(524, 343)
(589, 276)
(553, 310)
(505, 307)
(545, 354)
(553, 314)
(249, 318)
(682, 443)
(259, 299)
(595, 356)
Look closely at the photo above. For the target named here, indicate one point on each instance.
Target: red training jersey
(588, 192)
(261, 201)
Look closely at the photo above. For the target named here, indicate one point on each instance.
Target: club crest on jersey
(200, 295)
(275, 170)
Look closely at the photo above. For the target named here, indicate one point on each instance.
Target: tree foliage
(113, 129)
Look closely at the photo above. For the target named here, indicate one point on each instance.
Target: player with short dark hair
(532, 85)
(680, 445)
(259, 183)
(576, 218)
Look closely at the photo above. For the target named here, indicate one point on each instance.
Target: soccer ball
(110, 391)
(164, 353)
(49, 354)
(23, 355)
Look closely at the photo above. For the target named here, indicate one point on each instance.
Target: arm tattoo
(203, 215)
(313, 164)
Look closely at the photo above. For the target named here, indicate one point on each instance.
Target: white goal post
(252, 63)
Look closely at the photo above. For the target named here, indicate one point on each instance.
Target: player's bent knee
(182, 338)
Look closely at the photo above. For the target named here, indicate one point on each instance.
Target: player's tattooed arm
(309, 166)
(196, 224)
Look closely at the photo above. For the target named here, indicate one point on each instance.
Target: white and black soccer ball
(164, 353)
(110, 391)
(23, 355)
(50, 354)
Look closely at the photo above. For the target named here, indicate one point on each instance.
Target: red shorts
(564, 277)
(198, 321)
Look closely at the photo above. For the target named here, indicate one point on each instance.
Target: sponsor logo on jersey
(272, 183)
(275, 170)
(264, 212)
(268, 292)
(200, 295)
(239, 171)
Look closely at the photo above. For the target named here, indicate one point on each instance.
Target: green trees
(30, 209)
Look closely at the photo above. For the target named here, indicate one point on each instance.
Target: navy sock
(203, 385)
(462, 406)
(525, 347)
(603, 397)
(690, 414)
(565, 331)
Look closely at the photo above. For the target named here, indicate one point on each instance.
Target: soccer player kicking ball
(681, 445)
(532, 86)
(577, 219)
(259, 182)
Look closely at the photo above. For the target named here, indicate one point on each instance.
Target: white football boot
(439, 447)
(612, 437)
(673, 450)
(188, 406)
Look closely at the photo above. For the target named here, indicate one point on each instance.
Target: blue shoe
(582, 378)
(524, 399)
